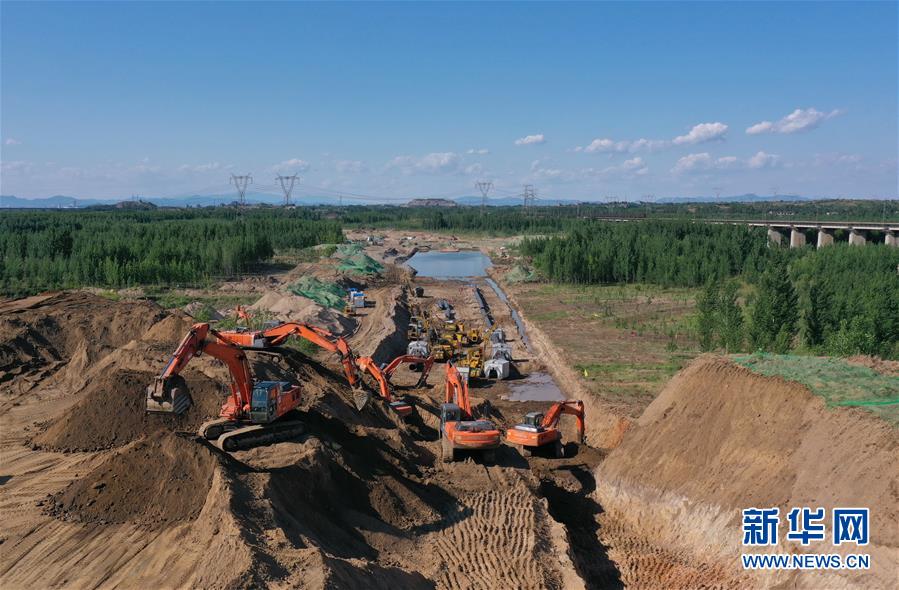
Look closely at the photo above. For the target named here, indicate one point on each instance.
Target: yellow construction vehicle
(474, 360)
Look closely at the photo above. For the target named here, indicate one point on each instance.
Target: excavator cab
(168, 395)
(449, 413)
(264, 402)
(533, 420)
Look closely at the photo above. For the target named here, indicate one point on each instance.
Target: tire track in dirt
(492, 541)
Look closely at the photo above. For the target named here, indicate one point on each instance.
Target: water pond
(450, 265)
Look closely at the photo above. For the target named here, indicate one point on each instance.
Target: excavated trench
(568, 491)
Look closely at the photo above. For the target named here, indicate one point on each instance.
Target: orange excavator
(401, 406)
(252, 414)
(426, 364)
(241, 314)
(539, 430)
(458, 430)
(277, 335)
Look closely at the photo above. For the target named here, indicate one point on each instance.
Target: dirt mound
(158, 480)
(719, 439)
(882, 366)
(40, 336)
(111, 412)
(287, 307)
(382, 335)
(170, 329)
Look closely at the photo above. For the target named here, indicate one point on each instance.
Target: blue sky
(582, 100)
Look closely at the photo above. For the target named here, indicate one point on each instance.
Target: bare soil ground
(88, 479)
(94, 493)
(719, 439)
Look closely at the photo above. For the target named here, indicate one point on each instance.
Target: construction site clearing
(433, 471)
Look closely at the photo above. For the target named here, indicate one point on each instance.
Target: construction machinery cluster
(257, 413)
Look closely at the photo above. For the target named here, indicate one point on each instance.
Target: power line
(241, 182)
(529, 195)
(286, 183)
(484, 186)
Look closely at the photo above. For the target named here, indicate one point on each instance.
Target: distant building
(432, 203)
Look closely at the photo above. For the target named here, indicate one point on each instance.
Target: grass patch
(837, 381)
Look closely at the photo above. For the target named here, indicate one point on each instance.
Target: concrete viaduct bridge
(857, 231)
(796, 231)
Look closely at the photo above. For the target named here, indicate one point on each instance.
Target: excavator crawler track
(232, 436)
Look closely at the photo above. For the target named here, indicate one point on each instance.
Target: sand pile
(40, 336)
(720, 438)
(170, 329)
(287, 307)
(111, 412)
(158, 480)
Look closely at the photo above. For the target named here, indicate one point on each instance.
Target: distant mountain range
(61, 201)
(747, 198)
(511, 201)
(64, 202)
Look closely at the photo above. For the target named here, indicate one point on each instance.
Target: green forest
(837, 300)
(668, 253)
(556, 218)
(64, 249)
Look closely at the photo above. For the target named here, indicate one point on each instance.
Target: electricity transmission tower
(529, 195)
(484, 186)
(286, 183)
(241, 182)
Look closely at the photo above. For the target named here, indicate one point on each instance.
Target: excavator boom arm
(572, 407)
(457, 389)
(194, 343)
(426, 363)
(320, 337)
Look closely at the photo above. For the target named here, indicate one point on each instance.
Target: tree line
(840, 300)
(65, 249)
(669, 253)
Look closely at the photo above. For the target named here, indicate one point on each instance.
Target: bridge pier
(775, 238)
(825, 237)
(856, 238)
(891, 239)
(797, 238)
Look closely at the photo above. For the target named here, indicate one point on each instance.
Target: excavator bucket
(168, 396)
(361, 397)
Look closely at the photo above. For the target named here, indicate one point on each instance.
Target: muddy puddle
(536, 387)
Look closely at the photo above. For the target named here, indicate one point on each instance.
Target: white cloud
(433, 163)
(762, 160)
(478, 152)
(350, 166)
(704, 162)
(17, 167)
(531, 139)
(606, 145)
(797, 121)
(200, 168)
(648, 144)
(702, 133)
(474, 169)
(292, 165)
(12, 141)
(629, 169)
